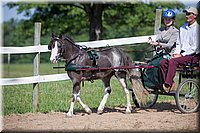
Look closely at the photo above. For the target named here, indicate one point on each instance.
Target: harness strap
(93, 56)
(73, 58)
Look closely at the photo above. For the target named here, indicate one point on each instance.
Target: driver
(167, 35)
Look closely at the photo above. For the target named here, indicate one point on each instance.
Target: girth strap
(93, 56)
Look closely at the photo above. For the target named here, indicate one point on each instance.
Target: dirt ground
(162, 117)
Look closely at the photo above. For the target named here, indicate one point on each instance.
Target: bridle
(61, 50)
(60, 47)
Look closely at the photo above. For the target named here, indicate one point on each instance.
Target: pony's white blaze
(54, 53)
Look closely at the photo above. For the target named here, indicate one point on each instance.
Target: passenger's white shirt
(188, 39)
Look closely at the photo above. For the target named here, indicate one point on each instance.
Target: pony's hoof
(89, 111)
(69, 115)
(128, 111)
(99, 112)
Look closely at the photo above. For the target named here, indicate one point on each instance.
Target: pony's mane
(67, 37)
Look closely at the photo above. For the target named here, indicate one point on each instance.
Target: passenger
(187, 49)
(167, 35)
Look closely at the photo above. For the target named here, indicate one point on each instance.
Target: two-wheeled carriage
(187, 91)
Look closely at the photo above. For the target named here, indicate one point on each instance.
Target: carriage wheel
(150, 99)
(187, 98)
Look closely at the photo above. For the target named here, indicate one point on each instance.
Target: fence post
(8, 65)
(157, 20)
(36, 63)
(157, 23)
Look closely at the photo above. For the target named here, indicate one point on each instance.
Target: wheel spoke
(187, 98)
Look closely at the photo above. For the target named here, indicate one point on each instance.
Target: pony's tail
(140, 93)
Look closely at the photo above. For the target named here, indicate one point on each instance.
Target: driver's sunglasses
(189, 13)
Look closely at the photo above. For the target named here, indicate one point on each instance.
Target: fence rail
(34, 79)
(92, 44)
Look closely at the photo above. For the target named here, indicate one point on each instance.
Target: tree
(94, 13)
(100, 20)
(58, 13)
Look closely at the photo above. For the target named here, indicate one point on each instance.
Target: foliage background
(118, 20)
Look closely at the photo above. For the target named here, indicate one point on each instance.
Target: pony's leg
(76, 97)
(75, 94)
(121, 76)
(86, 108)
(107, 92)
(70, 112)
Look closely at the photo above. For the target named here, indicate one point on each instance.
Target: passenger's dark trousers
(168, 67)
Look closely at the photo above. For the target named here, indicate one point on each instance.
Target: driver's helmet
(169, 14)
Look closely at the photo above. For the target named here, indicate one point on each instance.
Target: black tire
(187, 96)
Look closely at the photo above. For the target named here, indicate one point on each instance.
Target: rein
(73, 58)
(80, 53)
(145, 50)
(84, 49)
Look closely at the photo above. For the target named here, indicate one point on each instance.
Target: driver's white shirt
(188, 40)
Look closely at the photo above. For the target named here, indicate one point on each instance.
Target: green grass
(55, 96)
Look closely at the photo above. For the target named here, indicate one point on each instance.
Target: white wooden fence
(64, 76)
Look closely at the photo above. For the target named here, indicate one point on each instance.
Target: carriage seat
(189, 67)
(190, 70)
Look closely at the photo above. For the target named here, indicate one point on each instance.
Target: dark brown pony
(63, 46)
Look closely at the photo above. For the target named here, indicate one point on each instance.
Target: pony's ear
(52, 35)
(60, 35)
